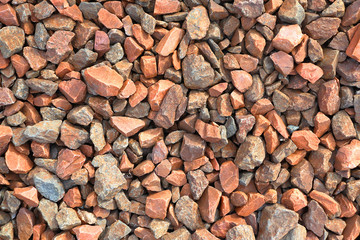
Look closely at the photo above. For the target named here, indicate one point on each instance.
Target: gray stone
(90, 9)
(67, 219)
(108, 181)
(115, 54)
(243, 232)
(49, 185)
(117, 230)
(187, 212)
(46, 86)
(292, 12)
(198, 183)
(315, 218)
(44, 131)
(41, 36)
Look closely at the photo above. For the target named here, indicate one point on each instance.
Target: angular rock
(241, 232)
(315, 218)
(197, 72)
(12, 40)
(49, 186)
(67, 219)
(59, 46)
(197, 23)
(103, 80)
(108, 182)
(192, 147)
(44, 131)
(276, 221)
(249, 8)
(302, 176)
(229, 176)
(251, 153)
(291, 12)
(347, 157)
(117, 230)
(198, 183)
(127, 126)
(342, 126)
(187, 212)
(157, 204)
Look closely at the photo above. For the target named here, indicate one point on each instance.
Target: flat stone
(170, 41)
(87, 232)
(127, 126)
(331, 206)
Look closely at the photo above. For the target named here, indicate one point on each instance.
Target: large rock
(49, 185)
(251, 153)
(44, 131)
(276, 221)
(197, 72)
(12, 40)
(108, 181)
(197, 23)
(187, 212)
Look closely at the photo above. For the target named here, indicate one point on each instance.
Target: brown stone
(144, 39)
(20, 64)
(287, 38)
(255, 43)
(241, 80)
(192, 147)
(157, 93)
(229, 176)
(103, 80)
(150, 137)
(294, 199)
(309, 71)
(352, 229)
(59, 46)
(25, 221)
(17, 162)
(74, 90)
(72, 198)
(108, 19)
(322, 28)
(166, 7)
(101, 43)
(87, 232)
(347, 156)
(331, 207)
(255, 201)
(36, 58)
(221, 227)
(148, 66)
(208, 204)
(170, 41)
(28, 194)
(197, 23)
(283, 62)
(277, 123)
(305, 139)
(208, 132)
(157, 204)
(132, 49)
(69, 161)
